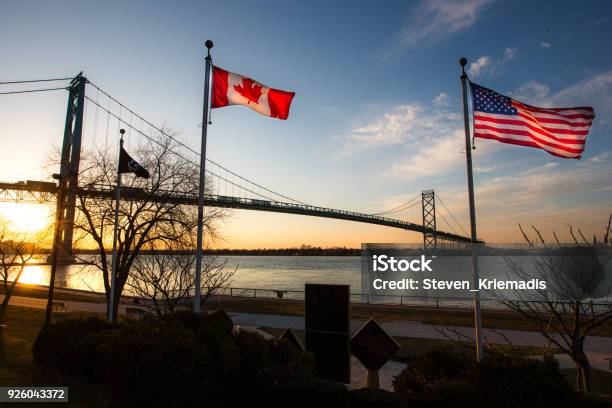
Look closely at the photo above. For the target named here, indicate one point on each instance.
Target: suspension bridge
(230, 190)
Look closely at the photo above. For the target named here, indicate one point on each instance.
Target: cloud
(393, 127)
(432, 158)
(433, 20)
(547, 196)
(540, 190)
(441, 99)
(485, 169)
(431, 133)
(480, 66)
(545, 45)
(488, 66)
(601, 157)
(531, 91)
(598, 86)
(595, 91)
(539, 169)
(510, 54)
(427, 130)
(598, 21)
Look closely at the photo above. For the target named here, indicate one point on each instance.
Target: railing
(376, 299)
(370, 298)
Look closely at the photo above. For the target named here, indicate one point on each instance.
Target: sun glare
(26, 218)
(34, 274)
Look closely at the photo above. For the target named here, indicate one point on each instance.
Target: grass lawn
(16, 365)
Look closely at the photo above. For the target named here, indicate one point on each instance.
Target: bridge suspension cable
(402, 207)
(47, 189)
(446, 222)
(32, 90)
(129, 125)
(28, 81)
(452, 216)
(186, 147)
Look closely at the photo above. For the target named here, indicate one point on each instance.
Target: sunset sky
(377, 113)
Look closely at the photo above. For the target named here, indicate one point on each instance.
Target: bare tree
(166, 279)
(15, 252)
(576, 300)
(150, 215)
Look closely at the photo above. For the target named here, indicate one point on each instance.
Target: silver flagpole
(475, 244)
(198, 264)
(111, 306)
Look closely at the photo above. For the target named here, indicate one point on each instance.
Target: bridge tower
(70, 162)
(428, 203)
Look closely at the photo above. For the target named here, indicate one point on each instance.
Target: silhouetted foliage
(366, 398)
(443, 378)
(301, 394)
(75, 347)
(144, 222)
(15, 252)
(182, 360)
(576, 301)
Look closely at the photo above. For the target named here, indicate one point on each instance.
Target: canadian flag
(233, 89)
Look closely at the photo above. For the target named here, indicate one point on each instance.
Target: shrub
(181, 361)
(498, 381)
(301, 394)
(161, 365)
(424, 371)
(367, 398)
(75, 347)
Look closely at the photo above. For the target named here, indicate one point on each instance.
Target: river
(285, 273)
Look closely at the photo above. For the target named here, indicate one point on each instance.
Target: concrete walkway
(598, 348)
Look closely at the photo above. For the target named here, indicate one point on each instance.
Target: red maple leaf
(249, 89)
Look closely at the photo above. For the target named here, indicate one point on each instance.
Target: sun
(26, 218)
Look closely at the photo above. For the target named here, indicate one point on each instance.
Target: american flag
(560, 131)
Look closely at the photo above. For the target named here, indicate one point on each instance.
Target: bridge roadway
(39, 191)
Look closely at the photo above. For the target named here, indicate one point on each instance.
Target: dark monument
(327, 330)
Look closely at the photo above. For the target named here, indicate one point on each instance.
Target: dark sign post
(373, 347)
(327, 330)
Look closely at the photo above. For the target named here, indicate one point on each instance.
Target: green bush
(440, 379)
(367, 398)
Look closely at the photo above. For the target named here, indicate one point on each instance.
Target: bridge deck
(45, 191)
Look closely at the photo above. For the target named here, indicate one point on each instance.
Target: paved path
(598, 348)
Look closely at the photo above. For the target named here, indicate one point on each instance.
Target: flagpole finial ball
(122, 131)
(463, 61)
(209, 44)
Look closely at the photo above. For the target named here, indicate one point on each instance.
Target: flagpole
(200, 239)
(474, 236)
(111, 306)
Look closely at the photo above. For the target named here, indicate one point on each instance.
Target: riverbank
(453, 317)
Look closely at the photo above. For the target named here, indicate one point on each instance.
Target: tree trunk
(583, 374)
(8, 292)
(3, 307)
(116, 303)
